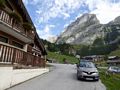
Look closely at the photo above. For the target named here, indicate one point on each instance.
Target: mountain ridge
(85, 29)
(79, 29)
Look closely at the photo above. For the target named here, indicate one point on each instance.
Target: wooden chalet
(113, 60)
(94, 58)
(19, 41)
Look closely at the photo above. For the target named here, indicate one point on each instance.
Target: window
(3, 39)
(17, 44)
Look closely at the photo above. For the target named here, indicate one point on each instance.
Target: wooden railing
(12, 55)
(6, 19)
(18, 27)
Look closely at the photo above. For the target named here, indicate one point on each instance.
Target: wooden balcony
(11, 55)
(16, 27)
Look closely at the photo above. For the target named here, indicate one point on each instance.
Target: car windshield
(87, 64)
(114, 67)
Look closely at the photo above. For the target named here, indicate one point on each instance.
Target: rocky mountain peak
(117, 20)
(88, 17)
(82, 30)
(91, 18)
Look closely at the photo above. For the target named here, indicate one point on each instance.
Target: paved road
(62, 77)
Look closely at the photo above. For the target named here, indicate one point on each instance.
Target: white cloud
(66, 15)
(47, 29)
(56, 8)
(46, 10)
(65, 26)
(52, 26)
(46, 33)
(79, 15)
(104, 9)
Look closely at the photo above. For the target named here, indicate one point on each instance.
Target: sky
(51, 17)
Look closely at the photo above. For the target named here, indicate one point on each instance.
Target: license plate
(89, 78)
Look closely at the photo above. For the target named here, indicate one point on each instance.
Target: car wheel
(78, 77)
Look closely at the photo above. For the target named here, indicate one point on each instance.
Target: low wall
(10, 77)
(5, 77)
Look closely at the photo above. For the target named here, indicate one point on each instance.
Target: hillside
(115, 53)
(56, 57)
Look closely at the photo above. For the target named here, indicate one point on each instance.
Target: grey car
(87, 70)
(113, 69)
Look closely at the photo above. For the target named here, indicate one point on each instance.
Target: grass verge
(59, 58)
(115, 53)
(111, 81)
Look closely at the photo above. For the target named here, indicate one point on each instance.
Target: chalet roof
(113, 57)
(95, 56)
(113, 61)
(27, 15)
(40, 44)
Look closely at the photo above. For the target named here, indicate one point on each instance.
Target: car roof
(115, 66)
